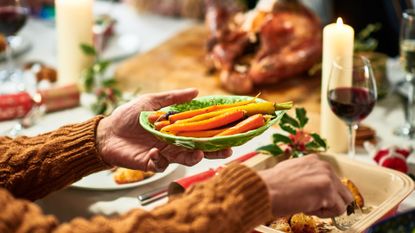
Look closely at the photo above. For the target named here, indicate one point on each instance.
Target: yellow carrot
(252, 122)
(191, 113)
(211, 123)
(250, 109)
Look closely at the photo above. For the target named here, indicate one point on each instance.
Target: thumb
(168, 98)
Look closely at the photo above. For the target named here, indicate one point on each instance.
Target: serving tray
(383, 189)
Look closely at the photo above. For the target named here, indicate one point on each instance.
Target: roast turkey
(277, 40)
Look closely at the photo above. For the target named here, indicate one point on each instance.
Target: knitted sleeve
(32, 167)
(236, 200)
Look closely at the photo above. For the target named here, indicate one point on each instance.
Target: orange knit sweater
(31, 167)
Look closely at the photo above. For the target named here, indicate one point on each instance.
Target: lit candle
(338, 41)
(74, 22)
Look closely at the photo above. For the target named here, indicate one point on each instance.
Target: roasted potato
(355, 192)
(124, 175)
(301, 223)
(281, 224)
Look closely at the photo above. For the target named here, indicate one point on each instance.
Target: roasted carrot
(156, 116)
(192, 113)
(202, 134)
(160, 124)
(208, 124)
(252, 122)
(250, 109)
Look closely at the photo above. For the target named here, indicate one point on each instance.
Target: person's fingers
(222, 154)
(157, 162)
(175, 154)
(337, 207)
(194, 158)
(168, 98)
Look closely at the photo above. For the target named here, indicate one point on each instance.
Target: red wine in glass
(12, 19)
(351, 104)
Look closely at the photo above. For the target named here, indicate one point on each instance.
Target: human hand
(123, 142)
(307, 185)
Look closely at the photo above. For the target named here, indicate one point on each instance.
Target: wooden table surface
(180, 63)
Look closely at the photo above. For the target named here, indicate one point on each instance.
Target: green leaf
(109, 82)
(99, 108)
(88, 79)
(288, 128)
(270, 149)
(297, 154)
(286, 119)
(88, 49)
(101, 66)
(301, 115)
(281, 138)
(312, 146)
(319, 140)
(117, 92)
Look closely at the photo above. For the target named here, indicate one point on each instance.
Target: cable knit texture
(236, 200)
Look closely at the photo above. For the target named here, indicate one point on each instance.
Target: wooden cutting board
(179, 63)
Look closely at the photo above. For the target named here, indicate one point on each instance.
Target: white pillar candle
(338, 40)
(74, 20)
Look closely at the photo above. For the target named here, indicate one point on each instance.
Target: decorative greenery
(364, 41)
(108, 96)
(295, 142)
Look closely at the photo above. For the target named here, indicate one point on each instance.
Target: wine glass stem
(352, 135)
(9, 59)
(409, 114)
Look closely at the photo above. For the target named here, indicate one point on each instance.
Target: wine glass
(351, 93)
(407, 54)
(13, 16)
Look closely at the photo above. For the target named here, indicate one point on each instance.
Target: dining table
(151, 31)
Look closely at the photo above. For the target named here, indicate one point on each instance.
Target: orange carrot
(160, 124)
(250, 109)
(191, 113)
(201, 134)
(212, 123)
(252, 122)
(156, 116)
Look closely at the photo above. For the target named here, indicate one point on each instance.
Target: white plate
(121, 46)
(104, 181)
(19, 45)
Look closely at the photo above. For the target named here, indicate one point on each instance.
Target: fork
(30, 119)
(350, 210)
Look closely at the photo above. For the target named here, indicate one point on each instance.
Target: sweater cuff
(245, 183)
(76, 154)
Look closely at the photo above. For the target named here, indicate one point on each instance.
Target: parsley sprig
(95, 81)
(295, 142)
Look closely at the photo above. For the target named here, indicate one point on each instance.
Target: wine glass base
(11, 81)
(405, 131)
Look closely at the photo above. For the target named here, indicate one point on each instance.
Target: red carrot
(252, 122)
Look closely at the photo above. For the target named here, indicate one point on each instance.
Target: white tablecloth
(152, 30)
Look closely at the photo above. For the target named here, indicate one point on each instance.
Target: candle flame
(339, 21)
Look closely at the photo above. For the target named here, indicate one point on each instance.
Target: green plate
(211, 143)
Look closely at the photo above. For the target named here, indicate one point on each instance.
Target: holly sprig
(295, 142)
(95, 81)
